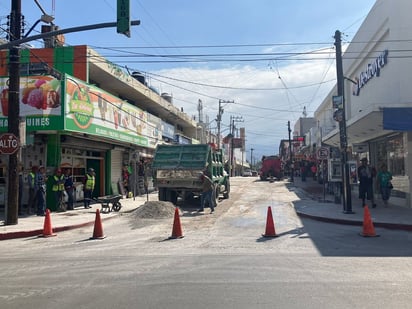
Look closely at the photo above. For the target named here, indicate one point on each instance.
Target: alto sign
(9, 143)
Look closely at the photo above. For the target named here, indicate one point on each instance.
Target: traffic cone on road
(368, 228)
(98, 227)
(270, 226)
(177, 229)
(47, 226)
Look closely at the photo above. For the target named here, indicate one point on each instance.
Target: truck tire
(162, 194)
(227, 190)
(216, 194)
(171, 196)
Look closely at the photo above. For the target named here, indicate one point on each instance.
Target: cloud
(266, 96)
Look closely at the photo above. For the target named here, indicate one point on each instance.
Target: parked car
(247, 173)
(254, 173)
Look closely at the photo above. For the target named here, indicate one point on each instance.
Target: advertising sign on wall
(89, 109)
(39, 102)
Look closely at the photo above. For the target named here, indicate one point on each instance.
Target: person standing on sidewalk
(58, 189)
(40, 188)
(88, 187)
(384, 178)
(31, 204)
(69, 187)
(366, 174)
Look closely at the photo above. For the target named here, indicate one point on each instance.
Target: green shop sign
(90, 110)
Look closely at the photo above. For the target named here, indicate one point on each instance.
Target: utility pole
(291, 165)
(232, 130)
(340, 116)
(219, 119)
(251, 157)
(14, 112)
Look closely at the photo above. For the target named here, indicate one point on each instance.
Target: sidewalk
(315, 204)
(32, 225)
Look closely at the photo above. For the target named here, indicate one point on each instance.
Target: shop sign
(372, 69)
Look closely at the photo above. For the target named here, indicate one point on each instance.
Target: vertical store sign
(123, 17)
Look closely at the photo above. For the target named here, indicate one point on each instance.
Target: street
(222, 262)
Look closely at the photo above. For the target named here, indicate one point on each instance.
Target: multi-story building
(78, 110)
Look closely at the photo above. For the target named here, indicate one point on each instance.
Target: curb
(390, 226)
(38, 232)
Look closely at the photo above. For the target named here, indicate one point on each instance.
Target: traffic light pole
(347, 194)
(11, 209)
(14, 113)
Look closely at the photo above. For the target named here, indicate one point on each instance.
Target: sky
(273, 59)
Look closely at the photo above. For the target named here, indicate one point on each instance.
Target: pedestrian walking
(31, 203)
(207, 193)
(40, 188)
(69, 187)
(385, 186)
(366, 174)
(88, 187)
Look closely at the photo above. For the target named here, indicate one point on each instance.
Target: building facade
(377, 95)
(79, 111)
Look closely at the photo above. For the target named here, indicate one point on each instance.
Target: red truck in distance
(272, 168)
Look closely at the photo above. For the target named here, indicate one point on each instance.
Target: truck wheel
(162, 194)
(171, 196)
(216, 194)
(227, 190)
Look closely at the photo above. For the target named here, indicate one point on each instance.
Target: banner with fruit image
(40, 102)
(89, 109)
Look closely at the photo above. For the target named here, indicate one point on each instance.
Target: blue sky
(221, 49)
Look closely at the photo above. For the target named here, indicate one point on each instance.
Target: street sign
(9, 143)
(323, 153)
(123, 17)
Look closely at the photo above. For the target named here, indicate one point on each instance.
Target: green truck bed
(176, 170)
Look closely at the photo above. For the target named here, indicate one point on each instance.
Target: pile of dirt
(155, 210)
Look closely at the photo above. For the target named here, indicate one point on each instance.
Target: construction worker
(88, 187)
(58, 189)
(31, 203)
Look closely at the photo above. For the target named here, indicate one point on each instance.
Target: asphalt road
(222, 262)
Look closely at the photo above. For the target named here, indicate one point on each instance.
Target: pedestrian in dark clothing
(40, 188)
(69, 187)
(366, 174)
(207, 193)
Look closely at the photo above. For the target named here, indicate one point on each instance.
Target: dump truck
(177, 170)
(271, 168)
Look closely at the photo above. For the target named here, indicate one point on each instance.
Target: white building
(379, 106)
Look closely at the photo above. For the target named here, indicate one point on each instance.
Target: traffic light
(123, 17)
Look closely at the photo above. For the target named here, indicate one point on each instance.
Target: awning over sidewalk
(397, 118)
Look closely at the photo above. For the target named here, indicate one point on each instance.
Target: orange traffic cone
(47, 226)
(270, 227)
(177, 229)
(98, 228)
(368, 228)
